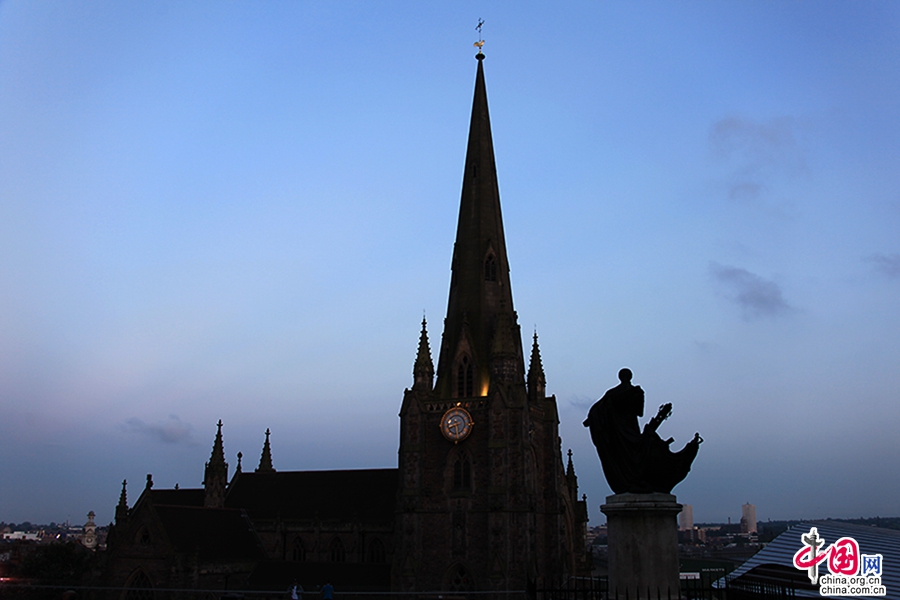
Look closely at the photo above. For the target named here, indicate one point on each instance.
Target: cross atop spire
(480, 43)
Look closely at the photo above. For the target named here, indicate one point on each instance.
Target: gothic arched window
(139, 587)
(376, 553)
(462, 473)
(465, 376)
(336, 551)
(298, 552)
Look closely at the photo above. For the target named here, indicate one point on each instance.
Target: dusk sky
(240, 211)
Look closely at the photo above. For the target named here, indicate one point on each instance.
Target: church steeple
(480, 461)
(122, 506)
(215, 475)
(423, 369)
(265, 460)
(537, 383)
(480, 307)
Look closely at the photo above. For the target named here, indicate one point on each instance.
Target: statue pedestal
(642, 536)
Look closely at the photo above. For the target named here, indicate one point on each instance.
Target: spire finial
(215, 476)
(537, 382)
(423, 368)
(265, 461)
(122, 506)
(240, 455)
(571, 478)
(480, 43)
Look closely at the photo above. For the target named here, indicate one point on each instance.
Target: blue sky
(240, 210)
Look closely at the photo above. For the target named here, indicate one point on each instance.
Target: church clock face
(456, 424)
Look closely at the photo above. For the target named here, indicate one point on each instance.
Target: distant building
(23, 535)
(596, 535)
(686, 518)
(748, 518)
(89, 537)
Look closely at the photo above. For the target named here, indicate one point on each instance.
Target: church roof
(178, 497)
(480, 289)
(364, 494)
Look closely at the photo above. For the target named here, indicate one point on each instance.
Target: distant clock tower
(89, 535)
(484, 502)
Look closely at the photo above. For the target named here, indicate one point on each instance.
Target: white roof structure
(872, 540)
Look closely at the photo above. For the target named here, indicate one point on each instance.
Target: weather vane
(480, 43)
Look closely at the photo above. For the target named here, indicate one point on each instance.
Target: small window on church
(490, 268)
(298, 552)
(462, 474)
(376, 553)
(465, 378)
(336, 551)
(143, 537)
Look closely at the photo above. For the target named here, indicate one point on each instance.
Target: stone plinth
(642, 534)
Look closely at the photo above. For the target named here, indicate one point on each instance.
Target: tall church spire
(480, 301)
(507, 528)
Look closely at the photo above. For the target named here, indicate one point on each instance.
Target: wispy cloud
(756, 153)
(171, 431)
(886, 264)
(744, 191)
(581, 402)
(757, 297)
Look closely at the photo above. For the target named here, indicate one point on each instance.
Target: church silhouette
(480, 500)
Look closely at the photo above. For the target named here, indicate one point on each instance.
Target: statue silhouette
(636, 461)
